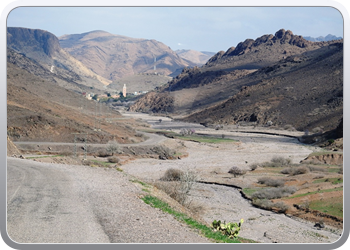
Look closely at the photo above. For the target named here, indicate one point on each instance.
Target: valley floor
(211, 162)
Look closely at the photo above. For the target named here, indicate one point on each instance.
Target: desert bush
(163, 152)
(276, 162)
(316, 169)
(274, 193)
(295, 170)
(112, 148)
(185, 131)
(103, 153)
(281, 161)
(113, 159)
(236, 171)
(177, 184)
(253, 166)
(281, 206)
(269, 205)
(271, 182)
(172, 174)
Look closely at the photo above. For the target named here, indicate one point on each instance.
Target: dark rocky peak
(217, 56)
(26, 40)
(287, 37)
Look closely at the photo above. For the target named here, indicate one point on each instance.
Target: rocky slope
(115, 56)
(38, 109)
(44, 48)
(281, 79)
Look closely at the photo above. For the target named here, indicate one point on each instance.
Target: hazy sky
(199, 28)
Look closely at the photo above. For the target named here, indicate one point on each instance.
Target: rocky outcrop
(44, 49)
(330, 159)
(35, 42)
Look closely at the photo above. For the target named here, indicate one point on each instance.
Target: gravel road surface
(53, 203)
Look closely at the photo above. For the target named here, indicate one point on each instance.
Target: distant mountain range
(197, 57)
(327, 38)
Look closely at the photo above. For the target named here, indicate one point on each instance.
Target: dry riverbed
(211, 162)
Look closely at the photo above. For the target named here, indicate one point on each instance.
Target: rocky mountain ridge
(280, 78)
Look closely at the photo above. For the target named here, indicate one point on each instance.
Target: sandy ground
(226, 203)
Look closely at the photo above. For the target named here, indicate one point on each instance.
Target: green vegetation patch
(205, 139)
(203, 229)
(332, 180)
(316, 192)
(44, 156)
(332, 206)
(249, 191)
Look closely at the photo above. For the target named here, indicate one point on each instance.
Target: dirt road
(53, 203)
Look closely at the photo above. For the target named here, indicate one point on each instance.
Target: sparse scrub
(276, 162)
(295, 170)
(281, 161)
(103, 153)
(271, 182)
(316, 169)
(236, 171)
(172, 174)
(113, 159)
(177, 184)
(112, 148)
(253, 166)
(269, 205)
(274, 193)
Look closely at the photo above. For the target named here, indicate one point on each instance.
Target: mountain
(196, 57)
(44, 49)
(39, 109)
(281, 78)
(116, 56)
(329, 37)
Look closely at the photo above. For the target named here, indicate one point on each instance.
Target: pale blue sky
(199, 28)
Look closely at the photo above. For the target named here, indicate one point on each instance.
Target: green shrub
(229, 229)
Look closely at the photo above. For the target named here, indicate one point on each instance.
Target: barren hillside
(40, 110)
(115, 56)
(44, 48)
